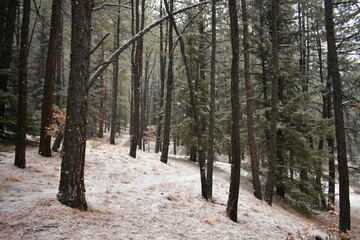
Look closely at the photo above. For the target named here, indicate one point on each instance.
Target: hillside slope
(132, 199)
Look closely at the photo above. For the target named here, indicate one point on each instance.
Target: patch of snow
(131, 198)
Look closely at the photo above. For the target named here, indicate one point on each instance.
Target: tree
(115, 82)
(232, 204)
(162, 60)
(102, 106)
(269, 188)
(211, 138)
(72, 188)
(193, 104)
(169, 92)
(137, 73)
(6, 44)
(50, 76)
(20, 157)
(334, 75)
(250, 104)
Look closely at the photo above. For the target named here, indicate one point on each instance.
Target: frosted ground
(136, 199)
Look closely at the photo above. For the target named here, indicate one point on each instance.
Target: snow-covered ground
(130, 198)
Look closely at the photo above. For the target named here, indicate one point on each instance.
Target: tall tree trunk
(232, 204)
(6, 50)
(20, 154)
(142, 106)
(162, 84)
(318, 179)
(115, 82)
(72, 188)
(60, 64)
(139, 24)
(331, 144)
(50, 75)
(334, 75)
(193, 104)
(102, 103)
(269, 188)
(42, 37)
(250, 104)
(325, 113)
(169, 91)
(144, 100)
(211, 137)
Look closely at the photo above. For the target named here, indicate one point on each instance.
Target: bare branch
(110, 5)
(98, 45)
(101, 64)
(118, 51)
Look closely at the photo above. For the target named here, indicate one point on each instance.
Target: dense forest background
(220, 81)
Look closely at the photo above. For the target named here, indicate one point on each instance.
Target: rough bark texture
(20, 154)
(60, 65)
(269, 188)
(334, 75)
(72, 188)
(115, 82)
(250, 104)
(162, 84)
(50, 75)
(319, 172)
(168, 100)
(137, 71)
(211, 137)
(142, 107)
(7, 38)
(57, 142)
(102, 108)
(232, 204)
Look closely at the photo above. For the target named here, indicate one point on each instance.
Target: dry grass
(38, 169)
(210, 221)
(4, 186)
(173, 197)
(13, 178)
(125, 181)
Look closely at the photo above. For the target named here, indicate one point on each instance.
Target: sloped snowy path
(130, 198)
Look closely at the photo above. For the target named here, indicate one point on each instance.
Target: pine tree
(20, 151)
(232, 204)
(50, 79)
(72, 188)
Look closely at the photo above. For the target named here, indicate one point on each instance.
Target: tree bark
(60, 64)
(137, 68)
(334, 75)
(72, 188)
(162, 84)
(232, 204)
(269, 188)
(193, 104)
(115, 82)
(211, 137)
(143, 81)
(250, 104)
(169, 90)
(50, 75)
(57, 142)
(20, 150)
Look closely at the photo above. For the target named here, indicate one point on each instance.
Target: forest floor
(137, 199)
